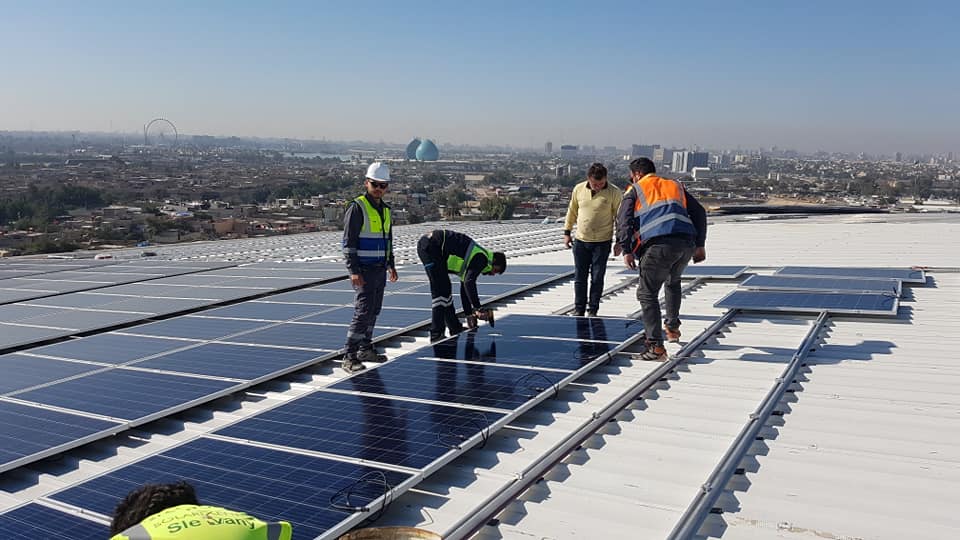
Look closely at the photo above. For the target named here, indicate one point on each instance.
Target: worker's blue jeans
(590, 259)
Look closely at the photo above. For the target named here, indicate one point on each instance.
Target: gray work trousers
(662, 264)
(367, 305)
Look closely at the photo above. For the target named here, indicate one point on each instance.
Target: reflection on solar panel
(29, 433)
(126, 394)
(191, 327)
(795, 283)
(379, 429)
(20, 372)
(467, 384)
(590, 328)
(903, 274)
(861, 304)
(230, 361)
(270, 484)
(35, 522)
(110, 348)
(567, 355)
(705, 271)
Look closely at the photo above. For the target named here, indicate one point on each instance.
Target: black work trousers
(367, 305)
(590, 260)
(662, 265)
(443, 311)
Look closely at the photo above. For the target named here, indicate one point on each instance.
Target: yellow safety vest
(458, 265)
(373, 244)
(193, 522)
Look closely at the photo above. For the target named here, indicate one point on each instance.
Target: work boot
(592, 313)
(351, 364)
(654, 352)
(577, 313)
(673, 334)
(370, 355)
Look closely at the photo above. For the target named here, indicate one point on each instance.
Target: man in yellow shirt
(593, 208)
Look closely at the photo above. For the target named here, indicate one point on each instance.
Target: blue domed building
(427, 151)
(412, 148)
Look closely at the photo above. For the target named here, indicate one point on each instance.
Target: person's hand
(472, 322)
(699, 255)
(629, 261)
(356, 280)
(392, 274)
(617, 250)
(566, 241)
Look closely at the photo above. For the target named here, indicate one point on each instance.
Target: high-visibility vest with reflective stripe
(458, 265)
(374, 241)
(661, 208)
(193, 522)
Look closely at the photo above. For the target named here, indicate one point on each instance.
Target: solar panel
(127, 394)
(568, 355)
(110, 348)
(452, 382)
(590, 328)
(314, 296)
(264, 311)
(194, 327)
(905, 275)
(857, 303)
(21, 371)
(705, 271)
(34, 521)
(378, 429)
(27, 431)
(794, 283)
(316, 337)
(389, 316)
(270, 484)
(232, 361)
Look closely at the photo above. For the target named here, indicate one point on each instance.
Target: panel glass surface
(903, 274)
(233, 361)
(311, 296)
(863, 304)
(312, 336)
(196, 327)
(452, 382)
(25, 430)
(37, 522)
(12, 335)
(704, 271)
(516, 351)
(786, 283)
(264, 311)
(371, 428)
(20, 371)
(394, 318)
(269, 484)
(611, 329)
(127, 394)
(111, 348)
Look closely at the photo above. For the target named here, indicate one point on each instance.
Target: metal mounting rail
(702, 504)
(494, 504)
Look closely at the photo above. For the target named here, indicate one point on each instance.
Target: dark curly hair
(148, 500)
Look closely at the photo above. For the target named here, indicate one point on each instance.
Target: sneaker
(351, 364)
(654, 353)
(577, 313)
(673, 334)
(592, 313)
(370, 355)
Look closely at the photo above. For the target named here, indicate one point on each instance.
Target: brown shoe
(673, 334)
(655, 352)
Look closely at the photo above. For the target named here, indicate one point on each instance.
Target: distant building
(412, 148)
(427, 151)
(700, 173)
(548, 148)
(643, 150)
(685, 161)
(568, 151)
(662, 156)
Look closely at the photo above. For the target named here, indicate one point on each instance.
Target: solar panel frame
(805, 302)
(703, 271)
(829, 284)
(903, 274)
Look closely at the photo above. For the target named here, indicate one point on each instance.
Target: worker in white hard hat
(368, 250)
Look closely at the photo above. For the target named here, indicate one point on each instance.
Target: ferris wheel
(160, 132)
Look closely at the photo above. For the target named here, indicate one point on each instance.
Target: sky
(872, 76)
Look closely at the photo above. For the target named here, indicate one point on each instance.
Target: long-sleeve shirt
(454, 243)
(626, 225)
(352, 224)
(593, 212)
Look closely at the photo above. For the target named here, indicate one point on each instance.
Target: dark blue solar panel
(779, 282)
(21, 371)
(467, 384)
(311, 336)
(234, 361)
(128, 394)
(344, 285)
(269, 484)
(311, 296)
(36, 522)
(903, 274)
(539, 353)
(863, 304)
(542, 271)
(25, 430)
(371, 428)
(196, 327)
(389, 316)
(404, 300)
(111, 348)
(591, 328)
(263, 310)
(704, 271)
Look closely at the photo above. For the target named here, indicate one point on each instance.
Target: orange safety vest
(660, 209)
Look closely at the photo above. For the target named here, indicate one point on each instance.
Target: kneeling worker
(444, 252)
(169, 511)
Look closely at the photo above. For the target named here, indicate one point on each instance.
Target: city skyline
(855, 77)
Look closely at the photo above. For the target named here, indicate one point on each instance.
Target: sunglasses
(378, 185)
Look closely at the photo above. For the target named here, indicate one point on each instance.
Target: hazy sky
(874, 76)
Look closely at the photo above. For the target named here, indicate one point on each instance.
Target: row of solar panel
(31, 267)
(392, 435)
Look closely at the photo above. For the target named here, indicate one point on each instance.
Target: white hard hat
(378, 171)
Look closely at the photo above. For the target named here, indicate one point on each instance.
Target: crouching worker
(172, 511)
(447, 252)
